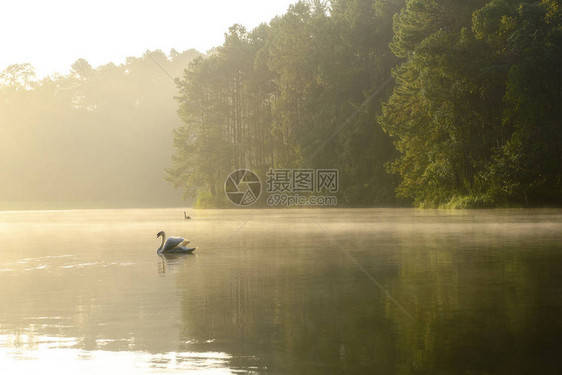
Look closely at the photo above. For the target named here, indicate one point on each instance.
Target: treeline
(430, 102)
(476, 112)
(272, 97)
(96, 137)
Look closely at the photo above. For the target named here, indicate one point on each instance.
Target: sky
(52, 34)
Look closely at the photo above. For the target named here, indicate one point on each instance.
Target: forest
(425, 103)
(430, 103)
(94, 138)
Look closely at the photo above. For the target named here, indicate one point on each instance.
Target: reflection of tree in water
(285, 309)
(481, 306)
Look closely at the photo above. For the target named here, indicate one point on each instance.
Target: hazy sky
(52, 34)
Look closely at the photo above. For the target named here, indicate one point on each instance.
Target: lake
(358, 291)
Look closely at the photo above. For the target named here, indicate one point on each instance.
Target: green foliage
(476, 112)
(276, 97)
(473, 119)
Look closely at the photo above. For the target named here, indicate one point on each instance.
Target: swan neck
(163, 240)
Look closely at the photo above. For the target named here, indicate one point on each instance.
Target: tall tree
(456, 110)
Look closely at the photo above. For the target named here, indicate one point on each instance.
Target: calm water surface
(394, 291)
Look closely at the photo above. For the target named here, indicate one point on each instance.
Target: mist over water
(86, 289)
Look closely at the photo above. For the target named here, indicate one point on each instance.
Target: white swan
(173, 244)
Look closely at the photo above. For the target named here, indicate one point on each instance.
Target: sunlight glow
(52, 35)
(25, 354)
